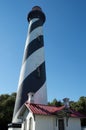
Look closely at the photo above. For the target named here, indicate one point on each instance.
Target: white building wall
(41, 122)
(49, 123)
(44, 123)
(73, 124)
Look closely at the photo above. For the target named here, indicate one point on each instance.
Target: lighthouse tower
(33, 75)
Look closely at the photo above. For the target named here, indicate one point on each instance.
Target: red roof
(76, 114)
(42, 109)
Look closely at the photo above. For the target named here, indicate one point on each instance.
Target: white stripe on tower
(33, 35)
(31, 64)
(32, 75)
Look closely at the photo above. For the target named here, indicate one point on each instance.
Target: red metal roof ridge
(77, 114)
(43, 109)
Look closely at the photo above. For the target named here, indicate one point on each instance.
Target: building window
(38, 72)
(60, 124)
(30, 124)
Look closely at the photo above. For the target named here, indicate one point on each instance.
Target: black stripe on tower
(34, 81)
(36, 24)
(33, 46)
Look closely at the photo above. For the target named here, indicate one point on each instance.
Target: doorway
(61, 124)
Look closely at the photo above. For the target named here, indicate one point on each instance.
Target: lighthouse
(33, 113)
(33, 74)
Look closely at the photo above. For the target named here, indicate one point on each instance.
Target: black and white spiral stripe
(32, 75)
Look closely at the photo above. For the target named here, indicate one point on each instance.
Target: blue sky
(64, 39)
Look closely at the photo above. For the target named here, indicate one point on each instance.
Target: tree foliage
(6, 109)
(55, 103)
(80, 106)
